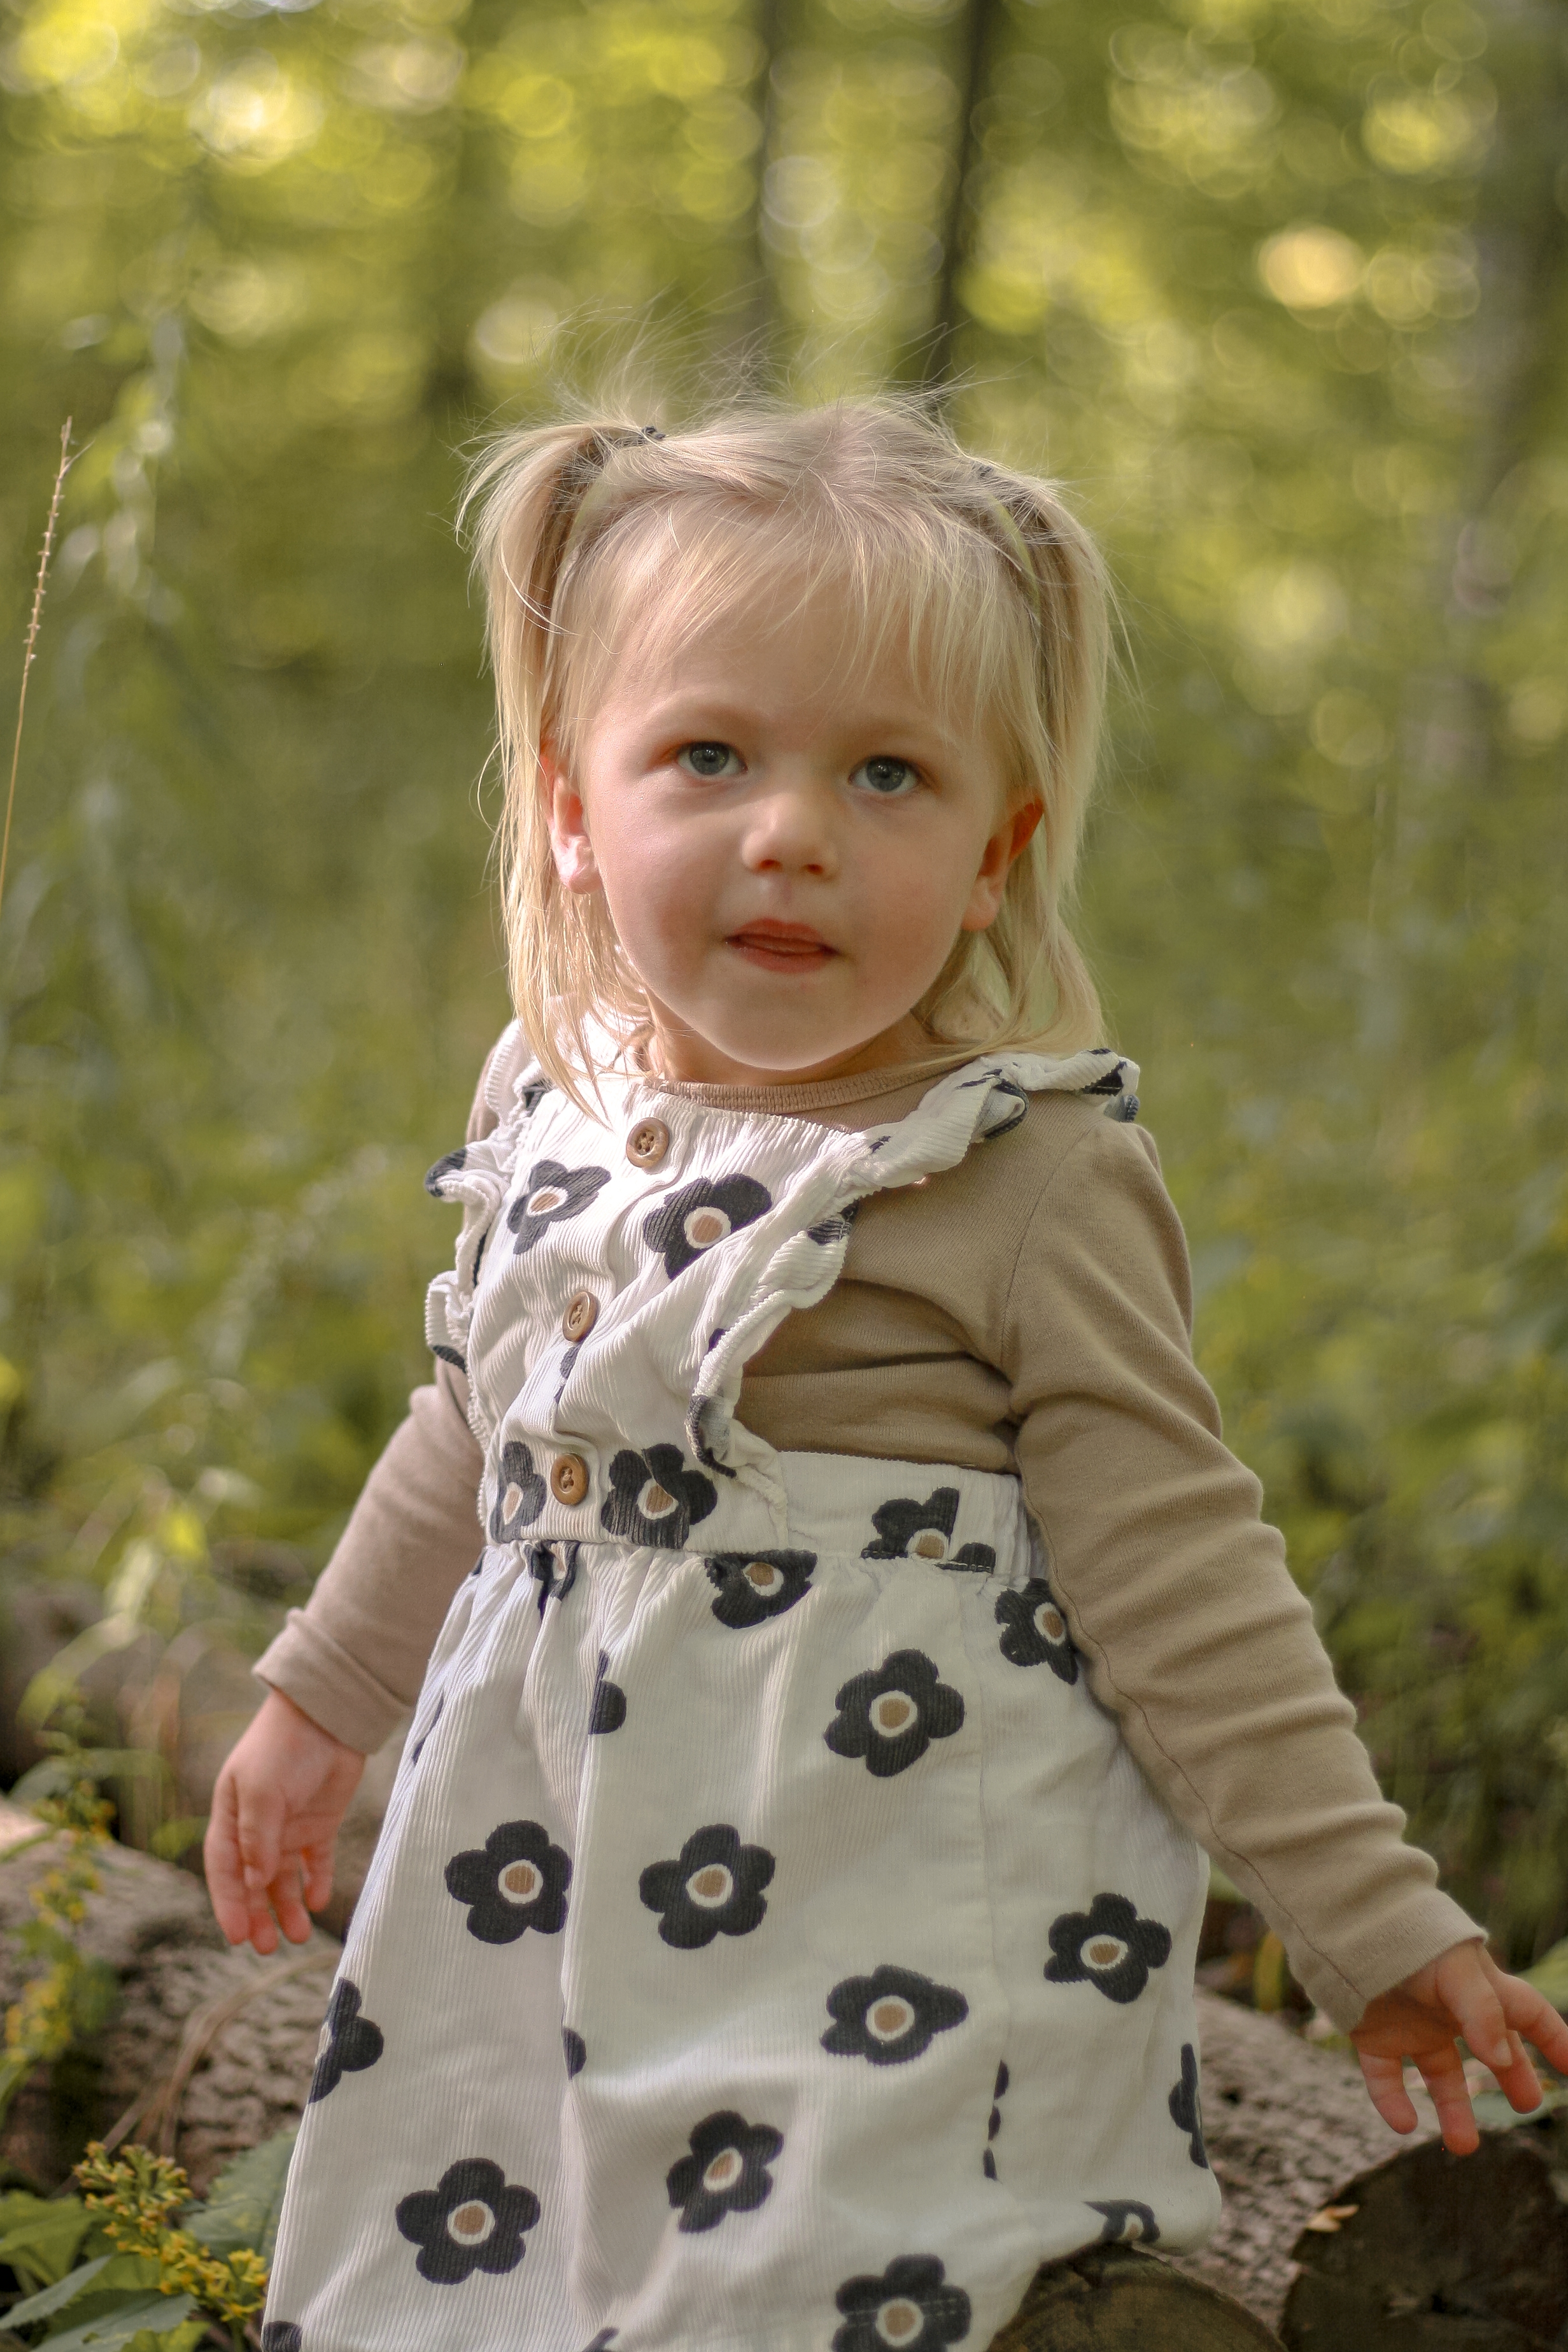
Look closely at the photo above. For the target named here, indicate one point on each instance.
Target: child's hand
(1463, 1992)
(276, 1810)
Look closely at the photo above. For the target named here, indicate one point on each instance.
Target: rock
(1433, 2250)
(1114, 2299)
(236, 2034)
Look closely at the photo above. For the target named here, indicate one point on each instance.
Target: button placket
(568, 1479)
(580, 1316)
(648, 1144)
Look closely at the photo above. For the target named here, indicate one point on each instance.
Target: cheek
(658, 878)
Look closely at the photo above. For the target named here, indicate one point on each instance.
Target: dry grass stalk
(32, 645)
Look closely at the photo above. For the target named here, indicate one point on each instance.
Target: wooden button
(647, 1143)
(582, 1315)
(568, 1478)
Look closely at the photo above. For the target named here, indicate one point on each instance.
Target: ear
(1006, 843)
(568, 819)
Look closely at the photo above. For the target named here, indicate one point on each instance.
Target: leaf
(1550, 1976)
(244, 2201)
(152, 2314)
(94, 1997)
(174, 1838)
(55, 2297)
(185, 2338)
(39, 2235)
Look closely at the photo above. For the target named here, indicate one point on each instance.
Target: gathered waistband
(841, 1504)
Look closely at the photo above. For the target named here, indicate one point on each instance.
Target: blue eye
(709, 759)
(888, 778)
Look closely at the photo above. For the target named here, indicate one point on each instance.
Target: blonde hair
(585, 529)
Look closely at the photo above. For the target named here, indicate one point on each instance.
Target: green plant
(134, 2264)
(74, 1995)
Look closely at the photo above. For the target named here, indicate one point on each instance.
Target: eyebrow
(723, 713)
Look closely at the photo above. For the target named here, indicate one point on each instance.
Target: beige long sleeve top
(1028, 1311)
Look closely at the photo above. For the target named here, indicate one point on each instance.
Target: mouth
(781, 946)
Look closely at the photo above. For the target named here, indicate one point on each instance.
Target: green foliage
(1277, 285)
(245, 2200)
(172, 2268)
(72, 1996)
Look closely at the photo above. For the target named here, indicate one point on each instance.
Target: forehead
(684, 597)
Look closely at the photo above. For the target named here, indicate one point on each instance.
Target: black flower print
(532, 1095)
(447, 1165)
(1109, 1946)
(576, 2050)
(449, 1356)
(516, 1881)
(755, 1586)
(910, 2308)
(553, 1192)
(281, 2335)
(609, 1710)
(892, 1715)
(1125, 2222)
(988, 2161)
(715, 1888)
(906, 1529)
(348, 2044)
(519, 1493)
(1187, 2107)
(654, 1498)
(473, 2220)
(890, 2016)
(567, 1362)
(417, 1750)
(1034, 1631)
(727, 2171)
(699, 1216)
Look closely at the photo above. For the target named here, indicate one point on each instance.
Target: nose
(789, 829)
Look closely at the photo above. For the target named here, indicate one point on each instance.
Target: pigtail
(1025, 979)
(564, 965)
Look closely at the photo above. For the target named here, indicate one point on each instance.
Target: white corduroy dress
(771, 1943)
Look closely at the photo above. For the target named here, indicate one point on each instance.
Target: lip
(781, 946)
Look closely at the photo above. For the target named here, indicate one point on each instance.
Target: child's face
(788, 852)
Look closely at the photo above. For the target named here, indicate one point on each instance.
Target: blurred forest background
(1279, 287)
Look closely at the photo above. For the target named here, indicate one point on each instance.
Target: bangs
(920, 589)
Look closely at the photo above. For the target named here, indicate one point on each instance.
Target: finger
(318, 1862)
(1520, 2083)
(1386, 2089)
(260, 1839)
(1530, 2014)
(1444, 2079)
(220, 1859)
(1472, 1999)
(285, 1893)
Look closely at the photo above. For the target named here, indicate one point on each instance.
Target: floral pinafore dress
(771, 1943)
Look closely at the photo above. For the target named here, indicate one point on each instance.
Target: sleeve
(353, 1658)
(1177, 1594)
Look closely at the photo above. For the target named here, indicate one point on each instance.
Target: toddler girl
(782, 1932)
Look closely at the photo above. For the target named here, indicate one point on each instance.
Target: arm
(1194, 1635)
(346, 1665)
(353, 1658)
(1178, 1595)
